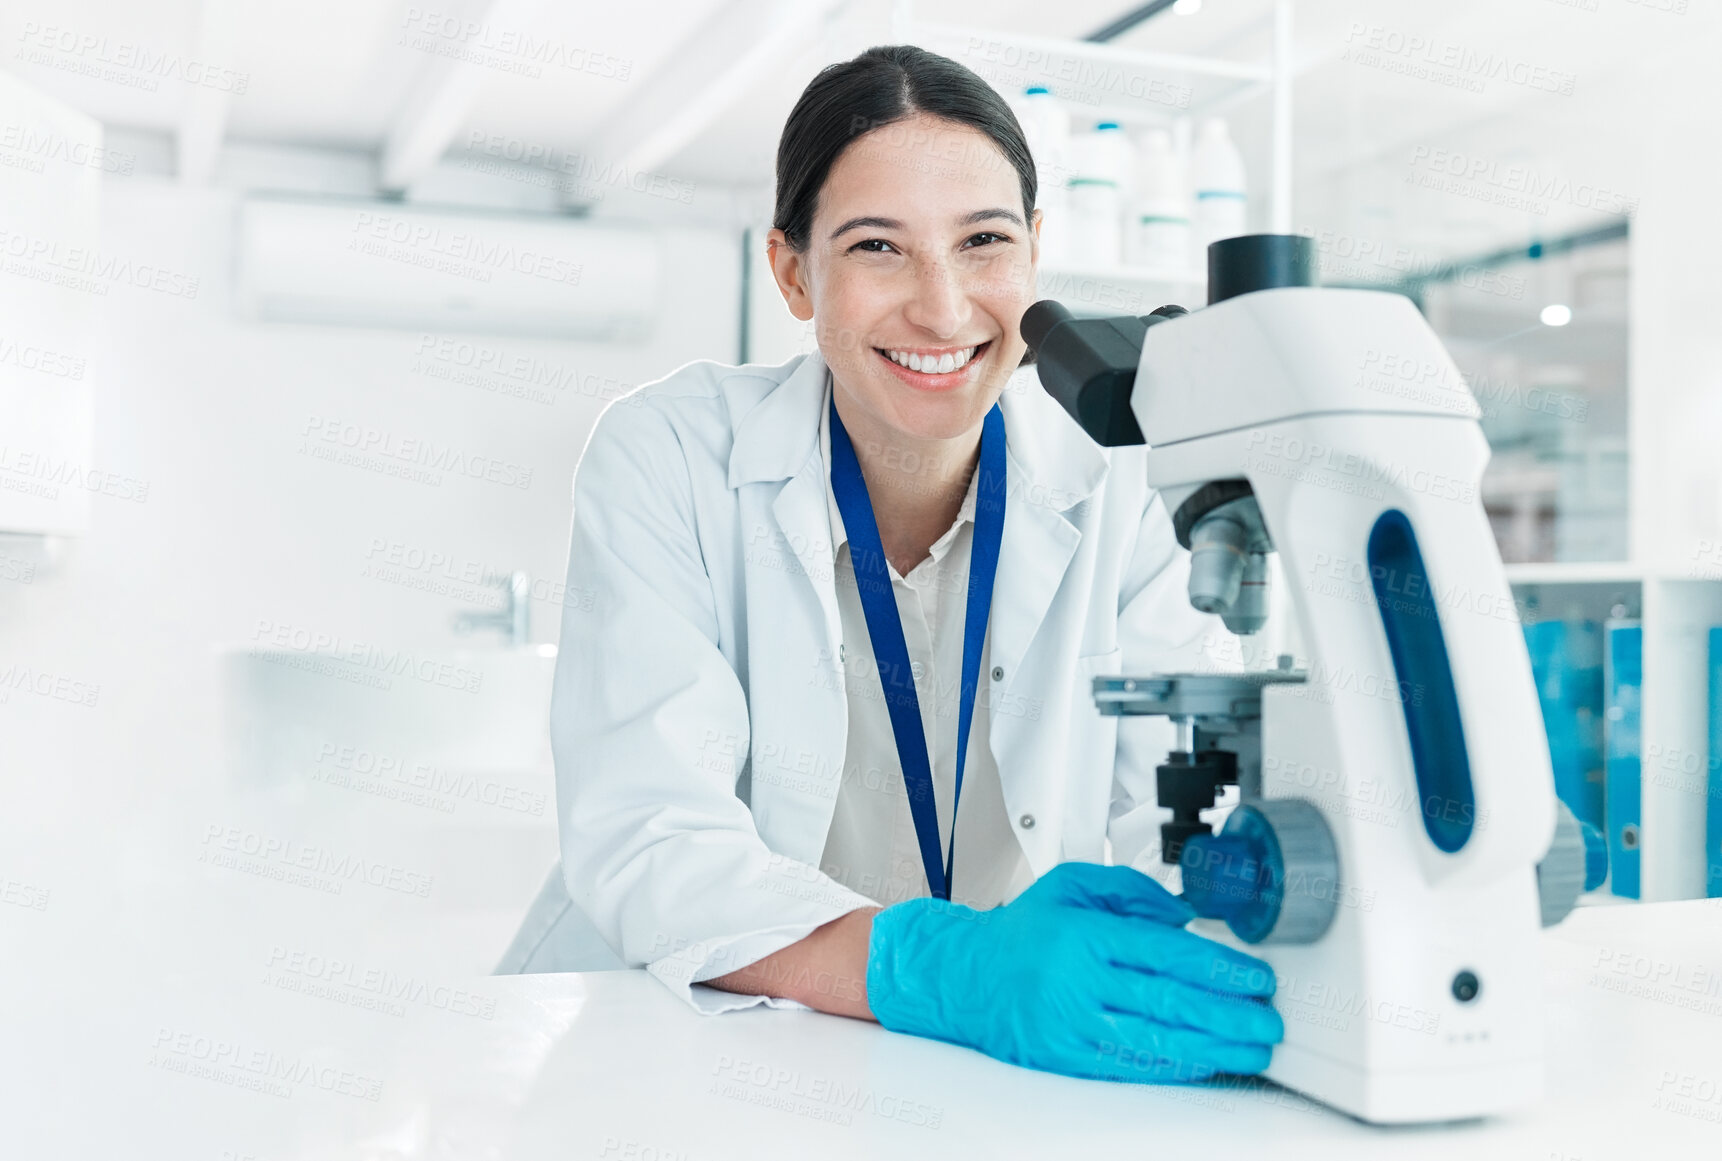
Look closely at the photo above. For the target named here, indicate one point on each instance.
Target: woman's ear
(790, 271)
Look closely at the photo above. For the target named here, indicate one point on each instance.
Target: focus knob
(1272, 873)
(1577, 861)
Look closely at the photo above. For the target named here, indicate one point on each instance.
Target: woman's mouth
(933, 370)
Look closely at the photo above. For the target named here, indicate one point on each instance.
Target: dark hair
(886, 84)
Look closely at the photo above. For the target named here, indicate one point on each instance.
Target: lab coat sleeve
(1158, 632)
(649, 726)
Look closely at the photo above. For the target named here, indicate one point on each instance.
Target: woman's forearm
(826, 969)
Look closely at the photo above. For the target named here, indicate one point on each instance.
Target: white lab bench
(365, 1065)
(611, 1065)
(1634, 1021)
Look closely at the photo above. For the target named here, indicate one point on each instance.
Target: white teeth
(931, 365)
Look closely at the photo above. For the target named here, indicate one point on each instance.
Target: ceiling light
(1186, 7)
(1556, 315)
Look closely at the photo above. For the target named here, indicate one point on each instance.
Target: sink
(364, 710)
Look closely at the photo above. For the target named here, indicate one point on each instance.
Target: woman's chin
(950, 418)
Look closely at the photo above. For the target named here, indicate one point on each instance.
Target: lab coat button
(998, 673)
(840, 656)
(1026, 822)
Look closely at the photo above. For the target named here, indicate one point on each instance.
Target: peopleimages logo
(1462, 172)
(580, 172)
(459, 246)
(329, 435)
(34, 147)
(1446, 62)
(44, 474)
(1370, 259)
(507, 49)
(121, 62)
(257, 1067)
(1083, 74)
(278, 641)
(239, 848)
(84, 269)
(1309, 457)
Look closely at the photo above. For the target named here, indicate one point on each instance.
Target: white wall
(239, 526)
(1677, 314)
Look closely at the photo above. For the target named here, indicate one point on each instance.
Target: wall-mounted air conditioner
(384, 264)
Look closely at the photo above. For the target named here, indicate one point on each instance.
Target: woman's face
(918, 248)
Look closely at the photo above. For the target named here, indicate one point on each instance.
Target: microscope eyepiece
(1089, 365)
(1040, 318)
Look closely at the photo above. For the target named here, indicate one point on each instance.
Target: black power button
(1466, 986)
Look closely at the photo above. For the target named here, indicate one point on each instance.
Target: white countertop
(611, 1065)
(637, 1071)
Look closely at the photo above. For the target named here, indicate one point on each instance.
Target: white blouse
(871, 847)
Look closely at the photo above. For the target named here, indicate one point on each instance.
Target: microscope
(1396, 844)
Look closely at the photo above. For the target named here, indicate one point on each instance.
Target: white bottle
(1046, 125)
(1222, 207)
(1098, 161)
(1157, 230)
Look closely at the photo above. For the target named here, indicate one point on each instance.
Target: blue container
(1623, 677)
(1566, 660)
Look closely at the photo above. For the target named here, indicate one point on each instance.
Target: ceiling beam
(1129, 20)
(202, 119)
(444, 93)
(737, 45)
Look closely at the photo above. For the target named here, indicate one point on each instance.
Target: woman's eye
(869, 244)
(989, 237)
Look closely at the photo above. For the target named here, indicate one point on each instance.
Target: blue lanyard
(885, 627)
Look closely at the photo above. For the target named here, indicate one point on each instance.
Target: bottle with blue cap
(1046, 125)
(1099, 160)
(1222, 200)
(1157, 232)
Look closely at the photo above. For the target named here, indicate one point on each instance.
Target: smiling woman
(835, 599)
(906, 231)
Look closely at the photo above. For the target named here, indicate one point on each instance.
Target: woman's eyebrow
(893, 224)
(988, 215)
(857, 223)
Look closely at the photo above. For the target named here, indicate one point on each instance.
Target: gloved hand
(1086, 973)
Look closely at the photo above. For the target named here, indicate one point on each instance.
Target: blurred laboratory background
(286, 451)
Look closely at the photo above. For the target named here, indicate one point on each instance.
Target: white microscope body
(1396, 795)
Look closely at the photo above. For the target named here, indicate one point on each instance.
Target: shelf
(1100, 81)
(1172, 62)
(1106, 82)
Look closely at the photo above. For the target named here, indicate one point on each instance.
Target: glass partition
(1541, 338)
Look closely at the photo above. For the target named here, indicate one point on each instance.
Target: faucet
(511, 619)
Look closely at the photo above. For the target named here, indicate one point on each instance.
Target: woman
(807, 589)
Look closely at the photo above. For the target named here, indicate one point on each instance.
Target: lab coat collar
(1060, 465)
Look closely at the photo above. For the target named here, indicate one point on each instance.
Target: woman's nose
(940, 303)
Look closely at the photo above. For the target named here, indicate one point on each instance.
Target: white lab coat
(698, 718)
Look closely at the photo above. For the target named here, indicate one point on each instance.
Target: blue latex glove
(1086, 973)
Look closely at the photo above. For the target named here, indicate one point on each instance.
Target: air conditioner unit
(382, 264)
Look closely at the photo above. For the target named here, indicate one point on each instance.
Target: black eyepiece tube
(1040, 318)
(1089, 366)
